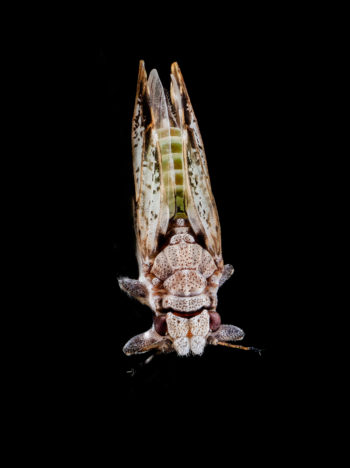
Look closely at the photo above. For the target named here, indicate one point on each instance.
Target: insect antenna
(245, 348)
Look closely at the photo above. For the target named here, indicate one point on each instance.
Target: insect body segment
(177, 225)
(171, 148)
(184, 266)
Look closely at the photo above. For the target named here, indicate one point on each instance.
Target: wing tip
(174, 67)
(154, 72)
(142, 71)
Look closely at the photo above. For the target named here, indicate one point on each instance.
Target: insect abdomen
(171, 149)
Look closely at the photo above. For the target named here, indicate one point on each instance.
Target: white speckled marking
(199, 325)
(182, 346)
(197, 344)
(182, 238)
(188, 334)
(156, 281)
(177, 326)
(180, 222)
(185, 283)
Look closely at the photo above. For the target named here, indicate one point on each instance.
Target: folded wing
(201, 206)
(151, 212)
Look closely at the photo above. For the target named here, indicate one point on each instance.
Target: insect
(177, 225)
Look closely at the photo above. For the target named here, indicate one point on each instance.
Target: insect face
(188, 334)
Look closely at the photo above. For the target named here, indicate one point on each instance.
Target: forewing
(201, 206)
(150, 209)
(141, 120)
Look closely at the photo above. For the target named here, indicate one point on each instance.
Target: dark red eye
(160, 324)
(215, 320)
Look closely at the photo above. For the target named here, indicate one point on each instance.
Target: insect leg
(245, 348)
(145, 342)
(229, 333)
(226, 333)
(133, 287)
(226, 274)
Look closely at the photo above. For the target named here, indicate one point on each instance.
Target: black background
(261, 85)
(253, 99)
(246, 109)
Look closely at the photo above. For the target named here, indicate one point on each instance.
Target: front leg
(146, 341)
(226, 274)
(134, 288)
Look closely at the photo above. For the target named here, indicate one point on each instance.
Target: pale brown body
(176, 223)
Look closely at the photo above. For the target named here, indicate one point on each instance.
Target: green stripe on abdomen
(171, 148)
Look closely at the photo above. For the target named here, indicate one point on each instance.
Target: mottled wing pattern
(150, 211)
(201, 206)
(141, 119)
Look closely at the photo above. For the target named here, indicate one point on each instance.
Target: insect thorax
(183, 294)
(181, 272)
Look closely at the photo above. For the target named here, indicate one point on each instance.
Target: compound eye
(214, 321)
(160, 325)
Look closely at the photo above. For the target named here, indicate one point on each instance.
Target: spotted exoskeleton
(176, 223)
